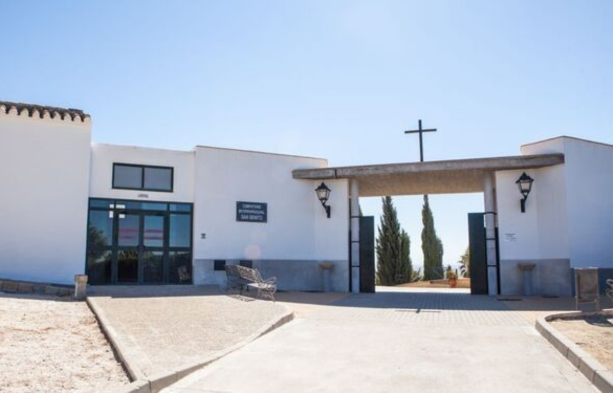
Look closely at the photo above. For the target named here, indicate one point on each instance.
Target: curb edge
(595, 372)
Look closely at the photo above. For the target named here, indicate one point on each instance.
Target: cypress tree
(393, 248)
(406, 265)
(431, 245)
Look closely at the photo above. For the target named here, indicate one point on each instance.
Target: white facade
(50, 169)
(297, 235)
(51, 172)
(569, 216)
(101, 177)
(44, 172)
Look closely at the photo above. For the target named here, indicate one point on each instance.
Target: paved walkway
(396, 341)
(162, 328)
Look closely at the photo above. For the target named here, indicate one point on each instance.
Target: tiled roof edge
(43, 112)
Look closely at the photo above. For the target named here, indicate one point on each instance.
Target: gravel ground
(52, 345)
(594, 335)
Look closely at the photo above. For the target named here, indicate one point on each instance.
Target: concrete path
(396, 341)
(162, 328)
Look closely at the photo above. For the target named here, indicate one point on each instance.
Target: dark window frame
(219, 265)
(142, 180)
(115, 248)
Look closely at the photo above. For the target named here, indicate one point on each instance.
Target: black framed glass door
(131, 242)
(128, 247)
(152, 250)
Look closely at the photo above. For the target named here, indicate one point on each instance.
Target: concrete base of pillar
(326, 269)
(492, 281)
(355, 280)
(550, 277)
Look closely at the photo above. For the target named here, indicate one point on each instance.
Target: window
(139, 242)
(219, 264)
(141, 177)
(180, 230)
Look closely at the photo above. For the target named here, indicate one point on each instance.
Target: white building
(130, 215)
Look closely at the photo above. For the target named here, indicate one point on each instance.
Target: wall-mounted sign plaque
(251, 212)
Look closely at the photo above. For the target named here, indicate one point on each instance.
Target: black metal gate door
(478, 259)
(367, 254)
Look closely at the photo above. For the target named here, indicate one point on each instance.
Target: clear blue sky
(335, 79)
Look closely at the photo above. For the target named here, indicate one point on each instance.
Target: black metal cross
(421, 142)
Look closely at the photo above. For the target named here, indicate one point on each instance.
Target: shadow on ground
(384, 298)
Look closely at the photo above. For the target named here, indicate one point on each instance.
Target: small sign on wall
(251, 212)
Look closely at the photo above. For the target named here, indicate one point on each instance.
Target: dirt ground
(52, 345)
(594, 335)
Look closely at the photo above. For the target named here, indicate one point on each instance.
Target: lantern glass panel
(323, 192)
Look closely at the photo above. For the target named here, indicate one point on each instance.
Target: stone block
(63, 292)
(588, 366)
(10, 287)
(603, 380)
(51, 290)
(182, 373)
(544, 332)
(25, 288)
(575, 355)
(161, 381)
(559, 344)
(138, 386)
(80, 281)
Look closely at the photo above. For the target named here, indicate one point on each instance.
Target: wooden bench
(240, 278)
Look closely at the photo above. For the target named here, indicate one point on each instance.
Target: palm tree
(465, 263)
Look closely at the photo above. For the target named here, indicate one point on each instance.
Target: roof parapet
(44, 112)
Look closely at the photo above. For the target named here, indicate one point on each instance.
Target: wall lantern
(323, 193)
(525, 185)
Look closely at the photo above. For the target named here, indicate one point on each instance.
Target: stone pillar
(489, 199)
(354, 195)
(80, 286)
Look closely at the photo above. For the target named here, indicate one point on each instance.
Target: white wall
(518, 232)
(589, 174)
(551, 207)
(44, 172)
(331, 234)
(542, 231)
(297, 228)
(587, 178)
(103, 157)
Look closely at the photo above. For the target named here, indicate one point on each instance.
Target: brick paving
(396, 340)
(442, 308)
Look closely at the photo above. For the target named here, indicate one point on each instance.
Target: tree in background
(465, 263)
(431, 245)
(405, 257)
(393, 248)
(416, 275)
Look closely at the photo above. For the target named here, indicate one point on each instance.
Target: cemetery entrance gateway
(434, 177)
